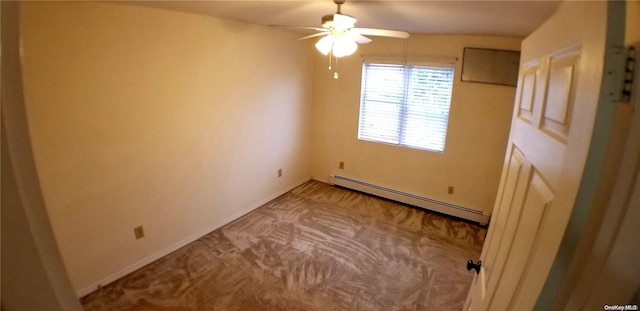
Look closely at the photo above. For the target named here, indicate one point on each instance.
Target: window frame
(403, 118)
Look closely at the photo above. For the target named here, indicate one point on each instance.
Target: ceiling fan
(341, 37)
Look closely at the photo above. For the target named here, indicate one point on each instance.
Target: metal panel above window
(491, 66)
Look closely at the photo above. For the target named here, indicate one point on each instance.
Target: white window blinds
(406, 105)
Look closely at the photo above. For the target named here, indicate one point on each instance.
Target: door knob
(475, 266)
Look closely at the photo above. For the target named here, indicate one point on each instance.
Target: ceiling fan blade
(299, 27)
(343, 22)
(357, 37)
(324, 33)
(381, 32)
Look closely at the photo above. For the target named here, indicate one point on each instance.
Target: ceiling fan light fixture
(344, 46)
(325, 44)
(339, 47)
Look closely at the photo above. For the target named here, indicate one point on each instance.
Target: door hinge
(629, 74)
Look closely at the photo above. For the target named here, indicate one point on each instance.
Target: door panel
(561, 76)
(528, 89)
(501, 233)
(513, 173)
(496, 255)
(538, 198)
(556, 116)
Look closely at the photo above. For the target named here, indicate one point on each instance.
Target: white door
(559, 93)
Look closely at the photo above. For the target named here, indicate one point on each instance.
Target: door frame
(38, 276)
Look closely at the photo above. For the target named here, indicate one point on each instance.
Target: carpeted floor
(317, 247)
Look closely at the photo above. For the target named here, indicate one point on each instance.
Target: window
(406, 105)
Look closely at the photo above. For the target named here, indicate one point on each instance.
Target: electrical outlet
(139, 232)
(450, 190)
(279, 173)
(341, 166)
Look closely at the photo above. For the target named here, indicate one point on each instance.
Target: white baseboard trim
(145, 261)
(423, 202)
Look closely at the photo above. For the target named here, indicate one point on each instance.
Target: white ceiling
(500, 18)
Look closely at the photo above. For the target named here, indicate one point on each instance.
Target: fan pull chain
(335, 73)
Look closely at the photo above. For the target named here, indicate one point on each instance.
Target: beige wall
(479, 122)
(173, 121)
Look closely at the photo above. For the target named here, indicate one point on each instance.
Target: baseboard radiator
(412, 199)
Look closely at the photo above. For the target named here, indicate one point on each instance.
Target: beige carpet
(317, 247)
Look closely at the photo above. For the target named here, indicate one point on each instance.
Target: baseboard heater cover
(412, 199)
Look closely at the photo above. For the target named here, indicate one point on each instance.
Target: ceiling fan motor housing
(327, 20)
